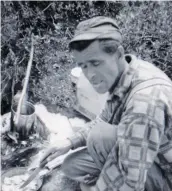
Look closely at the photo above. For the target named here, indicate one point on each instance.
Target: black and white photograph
(86, 95)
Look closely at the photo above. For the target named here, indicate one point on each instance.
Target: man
(129, 146)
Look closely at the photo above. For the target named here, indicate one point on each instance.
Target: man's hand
(62, 148)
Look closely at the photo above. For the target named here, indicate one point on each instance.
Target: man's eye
(95, 63)
(84, 66)
(79, 64)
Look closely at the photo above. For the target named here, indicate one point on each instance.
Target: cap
(97, 28)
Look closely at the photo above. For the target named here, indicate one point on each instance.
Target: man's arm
(139, 135)
(79, 138)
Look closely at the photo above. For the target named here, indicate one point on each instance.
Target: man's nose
(91, 76)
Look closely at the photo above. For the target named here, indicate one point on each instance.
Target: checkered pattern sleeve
(139, 134)
(79, 138)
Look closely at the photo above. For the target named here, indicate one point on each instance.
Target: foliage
(147, 29)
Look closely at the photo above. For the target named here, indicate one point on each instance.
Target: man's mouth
(96, 83)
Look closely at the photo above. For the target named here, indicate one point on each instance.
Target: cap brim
(85, 36)
(93, 36)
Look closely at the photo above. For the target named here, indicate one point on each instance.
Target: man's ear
(120, 52)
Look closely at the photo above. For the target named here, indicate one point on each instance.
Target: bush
(147, 29)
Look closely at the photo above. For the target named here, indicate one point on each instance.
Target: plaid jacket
(144, 129)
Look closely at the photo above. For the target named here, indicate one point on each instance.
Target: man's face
(100, 68)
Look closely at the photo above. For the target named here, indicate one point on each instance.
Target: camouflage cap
(97, 28)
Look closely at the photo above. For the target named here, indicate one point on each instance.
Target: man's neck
(123, 66)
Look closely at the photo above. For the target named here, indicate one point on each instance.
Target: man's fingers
(89, 179)
(53, 156)
(47, 153)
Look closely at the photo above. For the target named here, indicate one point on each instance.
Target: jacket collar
(125, 81)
